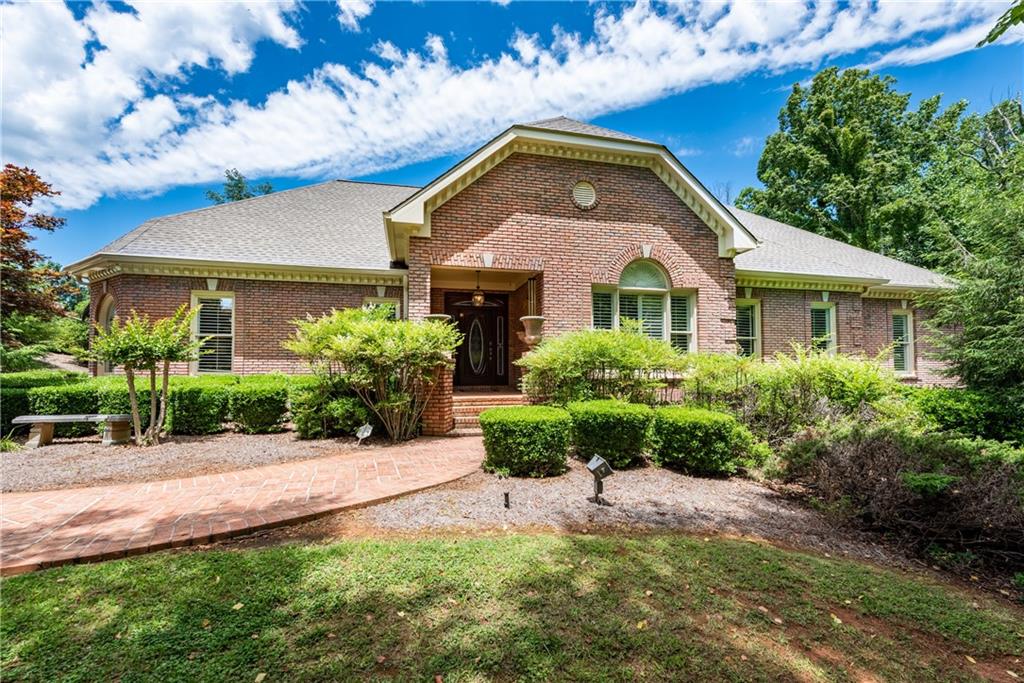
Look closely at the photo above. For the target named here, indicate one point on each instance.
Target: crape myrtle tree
(139, 345)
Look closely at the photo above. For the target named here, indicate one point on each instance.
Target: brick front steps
(48, 528)
(467, 406)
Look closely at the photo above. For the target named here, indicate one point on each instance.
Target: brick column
(439, 415)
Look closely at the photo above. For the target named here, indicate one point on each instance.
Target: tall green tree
(236, 187)
(979, 325)
(849, 162)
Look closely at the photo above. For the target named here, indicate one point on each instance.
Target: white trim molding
(102, 266)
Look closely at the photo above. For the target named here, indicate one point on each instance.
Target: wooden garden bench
(116, 430)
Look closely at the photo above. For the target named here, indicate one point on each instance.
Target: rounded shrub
(113, 397)
(526, 441)
(198, 405)
(699, 441)
(347, 414)
(80, 398)
(259, 404)
(615, 430)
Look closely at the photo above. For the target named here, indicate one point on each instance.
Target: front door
(482, 358)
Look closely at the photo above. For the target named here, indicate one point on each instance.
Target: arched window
(644, 295)
(105, 315)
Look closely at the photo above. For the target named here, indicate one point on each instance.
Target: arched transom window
(644, 295)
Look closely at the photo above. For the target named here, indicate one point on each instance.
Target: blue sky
(145, 106)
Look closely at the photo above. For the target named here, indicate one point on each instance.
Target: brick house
(577, 223)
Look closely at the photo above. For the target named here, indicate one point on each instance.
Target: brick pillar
(439, 415)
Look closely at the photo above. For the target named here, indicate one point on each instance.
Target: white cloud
(83, 118)
(351, 12)
(744, 146)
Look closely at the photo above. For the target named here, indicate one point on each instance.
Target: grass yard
(536, 607)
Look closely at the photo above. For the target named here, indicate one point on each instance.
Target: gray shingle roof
(786, 249)
(563, 124)
(337, 224)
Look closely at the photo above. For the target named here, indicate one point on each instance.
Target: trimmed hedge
(113, 397)
(66, 399)
(13, 402)
(198, 405)
(14, 388)
(40, 378)
(615, 430)
(530, 441)
(259, 404)
(699, 441)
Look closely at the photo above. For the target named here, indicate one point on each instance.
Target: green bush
(14, 388)
(22, 358)
(615, 430)
(198, 405)
(13, 402)
(259, 404)
(699, 441)
(347, 414)
(113, 397)
(526, 441)
(79, 398)
(40, 378)
(973, 413)
(593, 364)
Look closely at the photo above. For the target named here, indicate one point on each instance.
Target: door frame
(451, 297)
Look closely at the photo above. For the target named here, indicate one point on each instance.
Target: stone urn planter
(533, 327)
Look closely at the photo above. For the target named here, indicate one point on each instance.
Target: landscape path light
(601, 471)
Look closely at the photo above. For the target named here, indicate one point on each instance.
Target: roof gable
(572, 139)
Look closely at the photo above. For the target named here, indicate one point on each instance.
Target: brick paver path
(47, 528)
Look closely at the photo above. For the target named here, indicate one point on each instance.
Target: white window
(748, 327)
(823, 327)
(394, 303)
(903, 342)
(643, 295)
(215, 325)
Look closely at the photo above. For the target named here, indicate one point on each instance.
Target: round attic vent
(584, 195)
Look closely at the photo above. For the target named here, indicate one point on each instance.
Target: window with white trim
(215, 325)
(748, 327)
(903, 342)
(823, 327)
(643, 295)
(394, 303)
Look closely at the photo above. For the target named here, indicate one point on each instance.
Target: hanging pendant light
(478, 294)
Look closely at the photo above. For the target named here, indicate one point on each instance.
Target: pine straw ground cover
(523, 607)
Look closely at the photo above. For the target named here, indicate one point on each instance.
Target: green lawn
(538, 607)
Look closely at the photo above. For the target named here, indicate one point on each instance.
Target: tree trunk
(157, 425)
(151, 438)
(133, 398)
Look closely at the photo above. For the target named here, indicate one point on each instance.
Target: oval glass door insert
(476, 347)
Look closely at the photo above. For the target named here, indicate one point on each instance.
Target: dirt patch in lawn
(86, 462)
(641, 500)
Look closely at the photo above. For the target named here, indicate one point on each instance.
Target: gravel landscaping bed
(644, 499)
(86, 462)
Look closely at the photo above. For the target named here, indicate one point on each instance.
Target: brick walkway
(48, 528)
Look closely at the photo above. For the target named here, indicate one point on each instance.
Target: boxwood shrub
(699, 441)
(526, 441)
(14, 387)
(66, 399)
(113, 397)
(259, 404)
(615, 430)
(198, 405)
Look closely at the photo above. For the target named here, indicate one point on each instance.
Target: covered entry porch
(487, 305)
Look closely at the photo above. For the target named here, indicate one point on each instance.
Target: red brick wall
(263, 310)
(863, 326)
(522, 212)
(439, 415)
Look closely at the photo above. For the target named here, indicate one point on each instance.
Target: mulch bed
(642, 500)
(86, 462)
